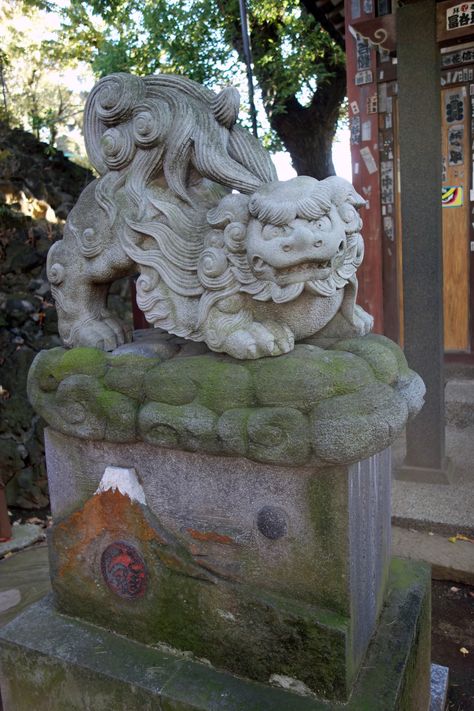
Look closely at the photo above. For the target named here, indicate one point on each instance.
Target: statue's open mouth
(304, 271)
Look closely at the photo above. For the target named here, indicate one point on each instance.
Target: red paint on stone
(210, 536)
(123, 570)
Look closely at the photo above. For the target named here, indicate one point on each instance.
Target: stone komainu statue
(226, 253)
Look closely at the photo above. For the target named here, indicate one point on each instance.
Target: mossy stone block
(192, 426)
(171, 384)
(351, 422)
(214, 384)
(44, 371)
(84, 408)
(266, 434)
(310, 384)
(385, 358)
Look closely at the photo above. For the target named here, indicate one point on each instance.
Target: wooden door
(455, 108)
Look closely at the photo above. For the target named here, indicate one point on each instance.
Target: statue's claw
(258, 340)
(363, 322)
(106, 334)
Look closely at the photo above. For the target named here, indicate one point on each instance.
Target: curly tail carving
(178, 124)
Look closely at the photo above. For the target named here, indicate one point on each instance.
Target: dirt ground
(453, 630)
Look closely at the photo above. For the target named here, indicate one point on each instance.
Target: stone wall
(38, 187)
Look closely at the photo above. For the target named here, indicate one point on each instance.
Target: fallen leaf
(460, 537)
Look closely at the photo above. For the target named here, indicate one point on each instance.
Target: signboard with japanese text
(457, 56)
(461, 15)
(454, 19)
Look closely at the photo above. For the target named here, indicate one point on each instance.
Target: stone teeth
(308, 265)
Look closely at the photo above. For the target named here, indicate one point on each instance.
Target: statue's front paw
(259, 340)
(94, 333)
(363, 321)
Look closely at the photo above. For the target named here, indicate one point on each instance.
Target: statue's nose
(304, 241)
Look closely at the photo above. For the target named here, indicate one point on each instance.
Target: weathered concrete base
(425, 475)
(49, 662)
(23, 535)
(448, 560)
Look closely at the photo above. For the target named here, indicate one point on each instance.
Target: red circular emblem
(123, 569)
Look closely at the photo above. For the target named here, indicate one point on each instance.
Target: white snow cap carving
(125, 481)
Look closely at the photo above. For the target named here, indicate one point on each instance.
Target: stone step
(459, 399)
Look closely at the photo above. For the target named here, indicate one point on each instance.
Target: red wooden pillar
(363, 118)
(5, 526)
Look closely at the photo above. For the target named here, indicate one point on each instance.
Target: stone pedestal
(260, 569)
(231, 521)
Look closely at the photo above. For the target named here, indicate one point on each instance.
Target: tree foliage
(298, 67)
(36, 91)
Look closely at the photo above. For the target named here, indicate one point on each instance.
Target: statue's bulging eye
(322, 223)
(273, 231)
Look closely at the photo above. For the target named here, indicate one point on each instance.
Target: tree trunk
(308, 132)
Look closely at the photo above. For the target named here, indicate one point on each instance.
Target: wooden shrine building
(370, 31)
(410, 85)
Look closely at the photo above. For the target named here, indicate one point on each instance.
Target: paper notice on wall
(388, 228)
(386, 181)
(354, 107)
(368, 158)
(366, 130)
(456, 145)
(356, 134)
(452, 196)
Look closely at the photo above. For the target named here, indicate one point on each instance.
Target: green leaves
(293, 57)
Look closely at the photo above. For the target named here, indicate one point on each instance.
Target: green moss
(52, 662)
(81, 361)
(126, 374)
(43, 372)
(327, 496)
(120, 414)
(301, 383)
(170, 384)
(191, 427)
(405, 573)
(214, 384)
(263, 404)
(275, 435)
(384, 357)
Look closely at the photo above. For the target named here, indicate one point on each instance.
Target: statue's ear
(226, 105)
(232, 208)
